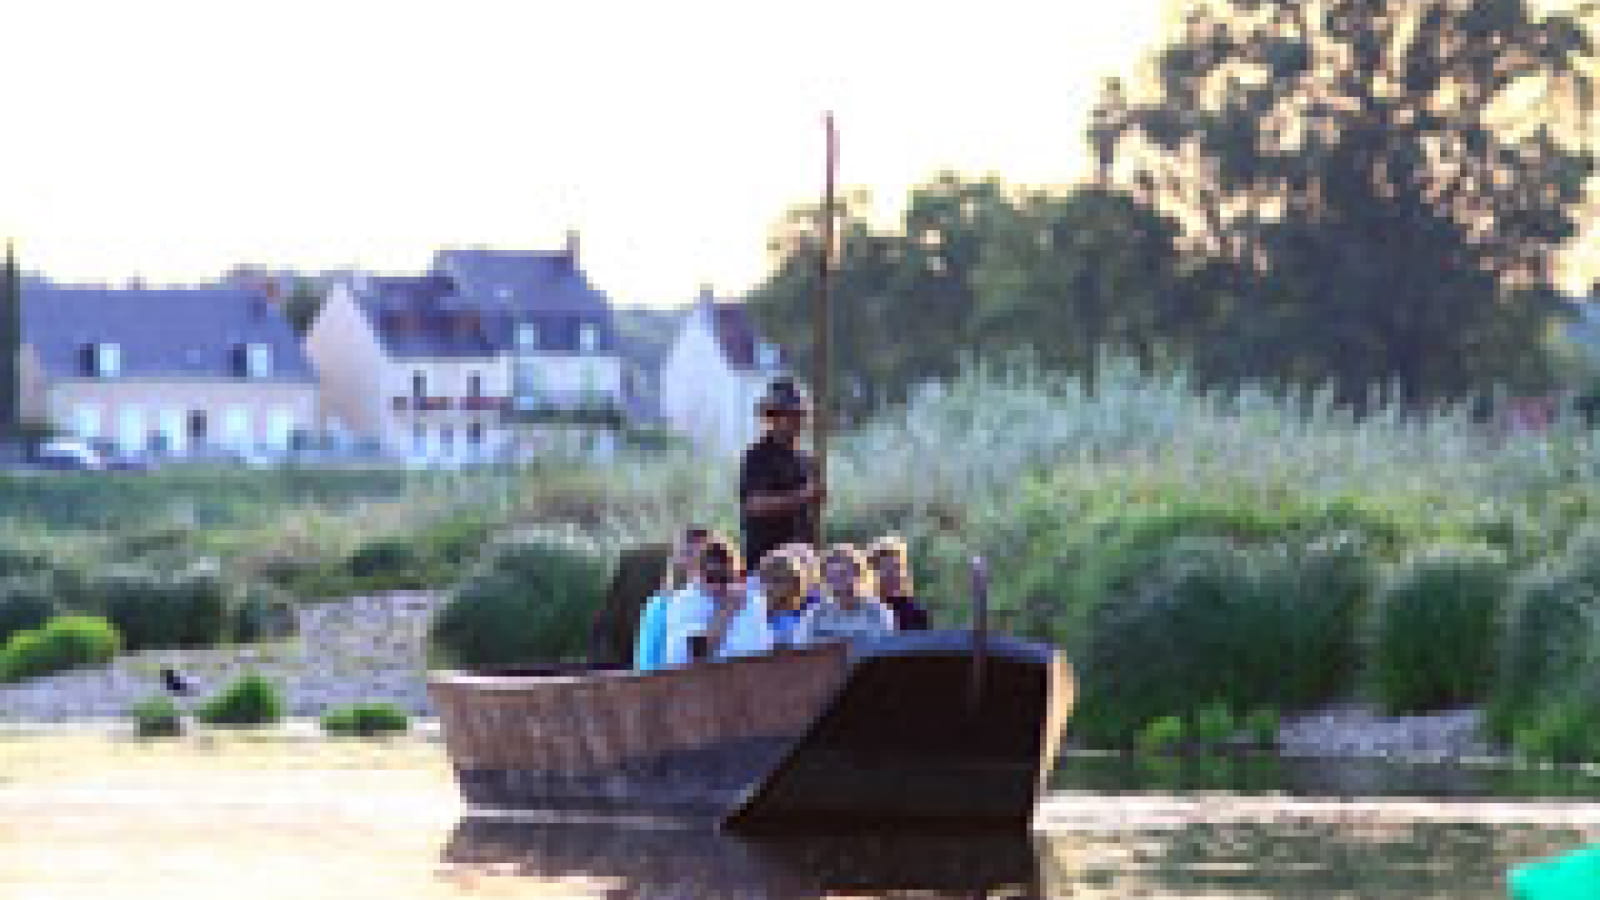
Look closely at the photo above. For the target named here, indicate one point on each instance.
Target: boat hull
(915, 727)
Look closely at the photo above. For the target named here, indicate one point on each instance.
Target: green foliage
(1162, 735)
(433, 556)
(157, 717)
(1434, 628)
(365, 720)
(64, 642)
(532, 598)
(1213, 724)
(1268, 625)
(160, 609)
(1261, 726)
(1356, 205)
(250, 700)
(261, 614)
(1563, 731)
(26, 602)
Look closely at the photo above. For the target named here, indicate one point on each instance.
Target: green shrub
(1256, 626)
(1162, 735)
(387, 559)
(26, 603)
(64, 642)
(22, 554)
(1262, 727)
(1545, 643)
(365, 720)
(157, 609)
(157, 717)
(1563, 731)
(250, 700)
(1213, 724)
(1434, 628)
(262, 613)
(531, 598)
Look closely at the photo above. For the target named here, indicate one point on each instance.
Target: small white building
(716, 370)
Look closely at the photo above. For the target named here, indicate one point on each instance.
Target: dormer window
(102, 360)
(588, 338)
(257, 360)
(527, 336)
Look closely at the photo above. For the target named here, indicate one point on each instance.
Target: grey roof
(189, 332)
(472, 301)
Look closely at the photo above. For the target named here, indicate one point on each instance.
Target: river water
(83, 815)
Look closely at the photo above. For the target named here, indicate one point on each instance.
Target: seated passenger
(785, 583)
(807, 557)
(716, 618)
(652, 642)
(891, 563)
(847, 610)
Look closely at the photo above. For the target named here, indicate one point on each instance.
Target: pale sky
(170, 139)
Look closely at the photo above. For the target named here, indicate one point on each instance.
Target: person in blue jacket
(650, 648)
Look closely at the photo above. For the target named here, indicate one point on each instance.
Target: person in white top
(718, 617)
(847, 611)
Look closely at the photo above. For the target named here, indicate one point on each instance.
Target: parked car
(68, 456)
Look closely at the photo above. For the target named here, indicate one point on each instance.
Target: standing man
(779, 497)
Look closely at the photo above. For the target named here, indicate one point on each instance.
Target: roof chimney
(572, 248)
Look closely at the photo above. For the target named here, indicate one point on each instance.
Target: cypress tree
(10, 349)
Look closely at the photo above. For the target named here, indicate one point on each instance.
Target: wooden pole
(821, 406)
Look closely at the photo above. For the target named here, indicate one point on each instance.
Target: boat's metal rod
(822, 408)
(980, 628)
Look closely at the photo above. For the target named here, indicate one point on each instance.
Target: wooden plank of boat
(905, 740)
(690, 739)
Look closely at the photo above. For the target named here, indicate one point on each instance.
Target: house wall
(565, 373)
(442, 432)
(343, 350)
(701, 395)
(256, 414)
(32, 386)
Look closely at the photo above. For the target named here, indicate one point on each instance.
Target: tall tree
(1374, 189)
(10, 349)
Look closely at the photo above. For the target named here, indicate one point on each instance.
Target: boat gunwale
(468, 679)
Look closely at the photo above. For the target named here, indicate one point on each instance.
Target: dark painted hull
(899, 731)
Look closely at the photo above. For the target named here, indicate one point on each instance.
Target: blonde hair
(892, 546)
(865, 579)
(777, 565)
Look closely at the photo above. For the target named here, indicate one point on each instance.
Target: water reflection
(659, 859)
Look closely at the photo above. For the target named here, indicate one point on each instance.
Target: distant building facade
(179, 372)
(717, 368)
(490, 354)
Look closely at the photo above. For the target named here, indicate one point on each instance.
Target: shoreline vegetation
(1203, 556)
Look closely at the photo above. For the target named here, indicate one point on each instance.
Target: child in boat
(892, 564)
(718, 616)
(785, 581)
(806, 556)
(847, 610)
(652, 642)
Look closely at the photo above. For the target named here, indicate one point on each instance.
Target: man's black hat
(783, 397)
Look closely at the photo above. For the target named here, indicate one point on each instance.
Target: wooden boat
(933, 726)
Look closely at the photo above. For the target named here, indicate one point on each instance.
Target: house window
(130, 428)
(474, 385)
(588, 338)
(197, 426)
(236, 427)
(257, 360)
(447, 436)
(767, 355)
(419, 438)
(527, 336)
(280, 427)
(172, 430)
(108, 360)
(419, 384)
(475, 434)
(86, 421)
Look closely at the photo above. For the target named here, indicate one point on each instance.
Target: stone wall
(358, 650)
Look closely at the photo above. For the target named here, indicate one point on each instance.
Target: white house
(716, 370)
(489, 354)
